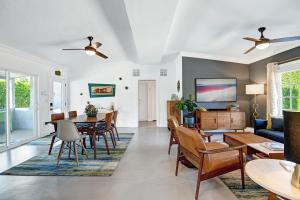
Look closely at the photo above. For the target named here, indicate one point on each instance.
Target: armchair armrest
(260, 124)
(221, 150)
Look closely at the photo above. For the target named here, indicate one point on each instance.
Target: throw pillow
(269, 121)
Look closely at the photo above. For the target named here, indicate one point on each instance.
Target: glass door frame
(35, 104)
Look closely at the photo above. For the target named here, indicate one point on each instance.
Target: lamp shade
(255, 89)
(292, 135)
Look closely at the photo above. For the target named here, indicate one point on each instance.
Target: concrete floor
(147, 124)
(145, 172)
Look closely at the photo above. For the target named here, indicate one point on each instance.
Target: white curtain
(274, 91)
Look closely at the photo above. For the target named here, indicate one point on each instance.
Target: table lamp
(255, 89)
(292, 142)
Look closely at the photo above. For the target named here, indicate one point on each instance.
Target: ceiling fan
(263, 42)
(91, 49)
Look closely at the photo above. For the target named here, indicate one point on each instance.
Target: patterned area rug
(104, 165)
(252, 191)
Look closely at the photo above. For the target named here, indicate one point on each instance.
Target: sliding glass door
(21, 107)
(3, 135)
(17, 103)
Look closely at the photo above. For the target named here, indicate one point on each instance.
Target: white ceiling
(145, 30)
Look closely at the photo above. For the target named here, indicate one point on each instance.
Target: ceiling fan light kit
(263, 43)
(91, 49)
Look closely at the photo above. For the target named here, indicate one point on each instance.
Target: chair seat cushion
(219, 160)
(277, 136)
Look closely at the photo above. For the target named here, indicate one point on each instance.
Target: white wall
(18, 61)
(126, 101)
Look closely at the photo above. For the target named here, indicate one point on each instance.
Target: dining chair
(68, 133)
(173, 124)
(55, 117)
(114, 123)
(212, 159)
(103, 129)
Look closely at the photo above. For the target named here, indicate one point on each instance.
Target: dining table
(84, 119)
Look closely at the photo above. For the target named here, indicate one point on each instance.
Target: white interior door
(147, 100)
(58, 96)
(143, 101)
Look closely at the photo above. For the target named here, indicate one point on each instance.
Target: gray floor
(145, 172)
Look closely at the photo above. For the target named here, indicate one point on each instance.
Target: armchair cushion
(219, 160)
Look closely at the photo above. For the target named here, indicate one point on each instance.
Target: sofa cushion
(277, 124)
(277, 136)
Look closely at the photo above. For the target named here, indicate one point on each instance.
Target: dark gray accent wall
(202, 68)
(258, 74)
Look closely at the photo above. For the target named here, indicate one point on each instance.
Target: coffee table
(252, 144)
(269, 174)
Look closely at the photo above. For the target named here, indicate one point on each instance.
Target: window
(291, 90)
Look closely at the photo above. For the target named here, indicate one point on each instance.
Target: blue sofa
(276, 133)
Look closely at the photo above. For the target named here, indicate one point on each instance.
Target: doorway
(17, 108)
(58, 96)
(147, 103)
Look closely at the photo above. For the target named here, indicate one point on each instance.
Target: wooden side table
(269, 174)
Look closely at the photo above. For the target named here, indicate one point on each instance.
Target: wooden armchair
(173, 124)
(212, 159)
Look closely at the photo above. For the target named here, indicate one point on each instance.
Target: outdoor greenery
(22, 93)
(291, 90)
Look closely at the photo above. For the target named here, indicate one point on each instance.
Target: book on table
(273, 146)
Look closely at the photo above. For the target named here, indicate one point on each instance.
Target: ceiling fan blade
(96, 45)
(251, 39)
(249, 50)
(101, 55)
(72, 49)
(285, 39)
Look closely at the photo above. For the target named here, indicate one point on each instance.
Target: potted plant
(189, 106)
(90, 110)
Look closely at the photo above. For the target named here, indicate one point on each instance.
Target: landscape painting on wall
(102, 90)
(215, 90)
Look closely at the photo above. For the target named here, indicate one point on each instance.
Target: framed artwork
(102, 90)
(215, 89)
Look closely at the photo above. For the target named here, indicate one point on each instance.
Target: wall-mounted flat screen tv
(215, 89)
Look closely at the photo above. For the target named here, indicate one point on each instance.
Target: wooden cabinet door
(223, 120)
(238, 120)
(209, 120)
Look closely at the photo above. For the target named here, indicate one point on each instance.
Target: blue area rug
(252, 191)
(104, 165)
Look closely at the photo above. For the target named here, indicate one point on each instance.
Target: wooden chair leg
(242, 167)
(199, 176)
(52, 143)
(177, 161)
(83, 149)
(76, 153)
(113, 134)
(91, 141)
(106, 144)
(112, 139)
(117, 133)
(70, 149)
(170, 143)
(61, 150)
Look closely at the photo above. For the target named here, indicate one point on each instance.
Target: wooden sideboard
(173, 111)
(212, 120)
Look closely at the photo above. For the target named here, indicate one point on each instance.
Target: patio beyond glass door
(3, 136)
(58, 102)
(21, 107)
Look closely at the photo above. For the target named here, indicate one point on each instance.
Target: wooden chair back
(189, 142)
(115, 117)
(72, 114)
(108, 118)
(57, 116)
